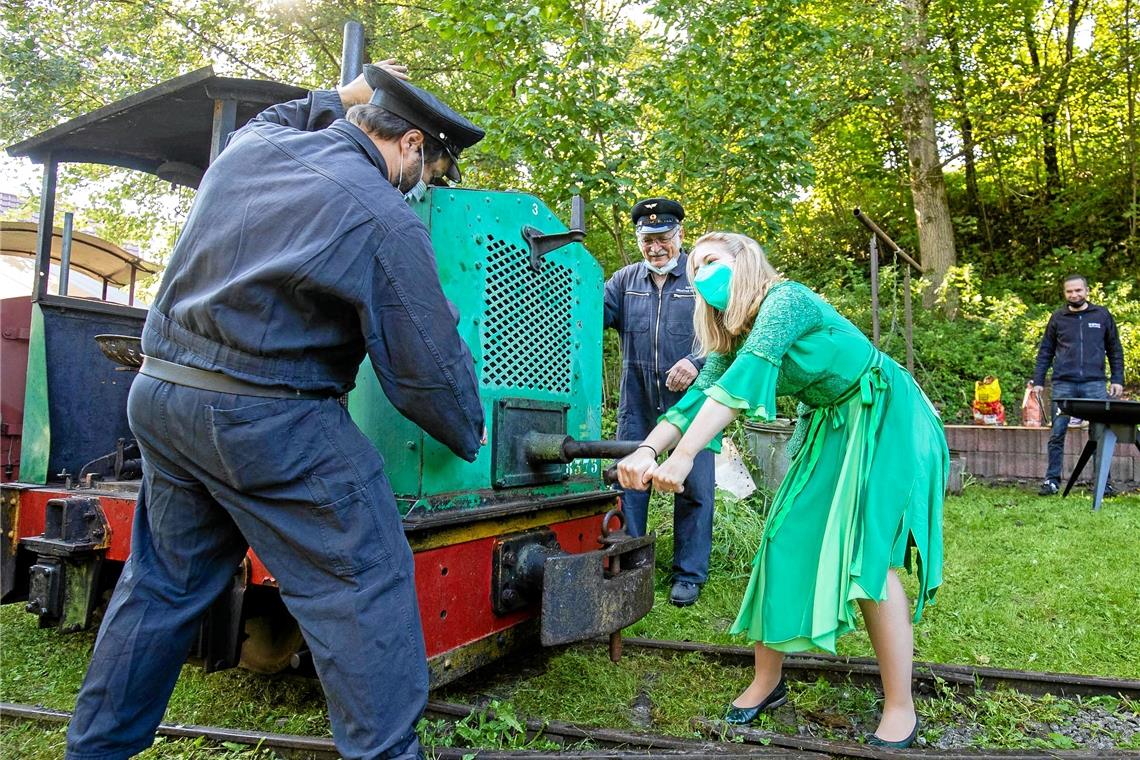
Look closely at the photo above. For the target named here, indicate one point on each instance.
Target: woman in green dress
(862, 496)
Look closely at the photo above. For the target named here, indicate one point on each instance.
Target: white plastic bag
(731, 474)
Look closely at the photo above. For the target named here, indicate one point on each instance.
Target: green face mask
(713, 282)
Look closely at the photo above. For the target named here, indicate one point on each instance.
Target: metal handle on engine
(556, 448)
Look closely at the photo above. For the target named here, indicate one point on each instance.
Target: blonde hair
(752, 276)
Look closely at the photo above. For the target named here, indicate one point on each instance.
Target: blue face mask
(713, 282)
(665, 268)
(417, 193)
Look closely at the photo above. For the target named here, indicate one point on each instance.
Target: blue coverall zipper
(656, 356)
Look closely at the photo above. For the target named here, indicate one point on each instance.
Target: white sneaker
(1075, 421)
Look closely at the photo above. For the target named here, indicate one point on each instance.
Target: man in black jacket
(1078, 338)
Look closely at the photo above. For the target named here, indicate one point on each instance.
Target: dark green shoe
(742, 716)
(875, 741)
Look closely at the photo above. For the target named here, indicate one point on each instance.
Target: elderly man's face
(659, 247)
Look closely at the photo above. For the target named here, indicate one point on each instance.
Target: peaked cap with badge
(657, 215)
(424, 111)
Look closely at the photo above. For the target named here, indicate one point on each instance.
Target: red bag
(1032, 415)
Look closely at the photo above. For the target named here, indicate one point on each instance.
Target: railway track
(865, 671)
(590, 743)
(583, 742)
(718, 741)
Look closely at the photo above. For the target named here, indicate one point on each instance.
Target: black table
(1111, 421)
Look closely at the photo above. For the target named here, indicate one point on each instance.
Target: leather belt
(206, 380)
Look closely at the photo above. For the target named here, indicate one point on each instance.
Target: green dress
(867, 474)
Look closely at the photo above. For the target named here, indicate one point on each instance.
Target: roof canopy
(168, 125)
(92, 255)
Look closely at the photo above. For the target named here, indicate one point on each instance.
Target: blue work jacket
(656, 328)
(297, 258)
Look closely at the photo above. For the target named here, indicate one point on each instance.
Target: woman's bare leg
(769, 665)
(892, 636)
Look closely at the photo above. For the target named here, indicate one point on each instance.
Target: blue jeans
(692, 508)
(298, 482)
(1064, 389)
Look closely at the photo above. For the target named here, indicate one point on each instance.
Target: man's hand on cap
(395, 68)
(357, 91)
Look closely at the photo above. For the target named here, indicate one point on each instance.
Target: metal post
(874, 228)
(899, 254)
(875, 290)
(352, 52)
(106, 283)
(134, 278)
(577, 213)
(225, 122)
(909, 321)
(65, 252)
(46, 230)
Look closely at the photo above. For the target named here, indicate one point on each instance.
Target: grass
(1028, 582)
(1034, 583)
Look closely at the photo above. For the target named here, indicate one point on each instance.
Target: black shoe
(1049, 488)
(684, 593)
(742, 716)
(875, 741)
(1109, 490)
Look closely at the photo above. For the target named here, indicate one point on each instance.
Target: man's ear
(413, 139)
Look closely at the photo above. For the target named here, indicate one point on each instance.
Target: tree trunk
(928, 187)
(965, 125)
(1049, 144)
(1052, 104)
(1130, 143)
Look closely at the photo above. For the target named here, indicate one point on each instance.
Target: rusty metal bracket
(541, 244)
(63, 584)
(513, 420)
(517, 568)
(12, 582)
(597, 593)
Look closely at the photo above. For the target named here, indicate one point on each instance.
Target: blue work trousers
(1065, 389)
(692, 508)
(296, 480)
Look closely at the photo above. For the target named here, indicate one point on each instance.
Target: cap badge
(653, 217)
(651, 205)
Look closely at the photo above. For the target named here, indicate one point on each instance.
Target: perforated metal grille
(526, 321)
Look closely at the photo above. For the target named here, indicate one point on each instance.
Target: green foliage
(990, 328)
(495, 726)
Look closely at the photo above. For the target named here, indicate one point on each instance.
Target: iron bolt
(508, 558)
(510, 596)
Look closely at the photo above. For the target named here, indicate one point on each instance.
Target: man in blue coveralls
(650, 304)
(299, 257)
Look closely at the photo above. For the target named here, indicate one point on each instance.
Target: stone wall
(1019, 453)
